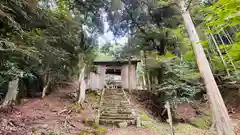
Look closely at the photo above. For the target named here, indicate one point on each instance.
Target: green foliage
(222, 17)
(189, 56)
(223, 14)
(45, 38)
(179, 81)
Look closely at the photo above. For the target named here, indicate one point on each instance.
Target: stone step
(115, 112)
(116, 90)
(114, 97)
(113, 91)
(113, 94)
(115, 108)
(115, 121)
(116, 104)
(115, 100)
(119, 107)
(116, 115)
(117, 118)
(111, 111)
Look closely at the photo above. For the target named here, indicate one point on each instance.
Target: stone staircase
(115, 108)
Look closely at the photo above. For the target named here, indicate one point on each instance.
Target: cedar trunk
(81, 86)
(12, 93)
(223, 122)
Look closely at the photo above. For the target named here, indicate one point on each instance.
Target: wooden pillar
(124, 76)
(102, 73)
(133, 77)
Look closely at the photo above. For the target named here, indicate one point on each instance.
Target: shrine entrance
(113, 73)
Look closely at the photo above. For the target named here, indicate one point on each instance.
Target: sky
(108, 36)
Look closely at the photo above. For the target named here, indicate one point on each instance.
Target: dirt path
(57, 114)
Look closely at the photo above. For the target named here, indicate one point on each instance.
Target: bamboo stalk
(230, 58)
(219, 53)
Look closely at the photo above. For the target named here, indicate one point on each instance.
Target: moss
(93, 124)
(144, 117)
(93, 97)
(184, 128)
(148, 126)
(100, 131)
(203, 122)
(76, 107)
(96, 131)
(85, 132)
(52, 133)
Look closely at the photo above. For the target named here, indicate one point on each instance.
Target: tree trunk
(82, 86)
(12, 93)
(223, 121)
(129, 74)
(149, 87)
(219, 53)
(169, 120)
(154, 83)
(45, 88)
(149, 82)
(143, 68)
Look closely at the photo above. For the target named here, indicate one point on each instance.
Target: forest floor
(56, 114)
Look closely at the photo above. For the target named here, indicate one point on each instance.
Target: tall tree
(223, 121)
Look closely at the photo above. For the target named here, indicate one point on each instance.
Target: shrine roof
(114, 62)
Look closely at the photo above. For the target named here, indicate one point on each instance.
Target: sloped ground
(150, 122)
(54, 114)
(57, 114)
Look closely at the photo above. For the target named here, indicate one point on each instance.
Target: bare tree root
(64, 110)
(67, 121)
(150, 102)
